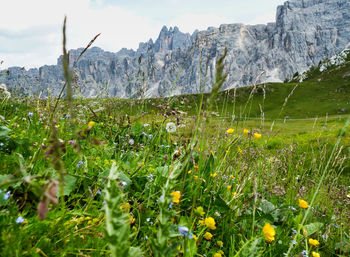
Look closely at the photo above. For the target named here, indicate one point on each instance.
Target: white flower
(171, 127)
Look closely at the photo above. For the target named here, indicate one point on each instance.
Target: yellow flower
(313, 242)
(210, 223)
(212, 152)
(110, 117)
(91, 124)
(213, 175)
(230, 131)
(240, 150)
(189, 172)
(234, 193)
(176, 196)
(195, 237)
(57, 126)
(269, 233)
(314, 254)
(245, 131)
(131, 219)
(199, 211)
(257, 135)
(95, 219)
(101, 123)
(229, 187)
(201, 222)
(195, 177)
(196, 166)
(125, 207)
(208, 235)
(233, 177)
(303, 204)
(220, 243)
(217, 255)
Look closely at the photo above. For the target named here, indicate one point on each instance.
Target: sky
(31, 30)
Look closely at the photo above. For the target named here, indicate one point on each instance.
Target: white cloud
(119, 28)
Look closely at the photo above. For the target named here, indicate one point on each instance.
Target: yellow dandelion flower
(195, 177)
(269, 233)
(245, 131)
(208, 236)
(303, 204)
(315, 254)
(257, 135)
(230, 131)
(189, 172)
(313, 242)
(213, 175)
(176, 196)
(220, 243)
(229, 187)
(210, 223)
(232, 177)
(217, 255)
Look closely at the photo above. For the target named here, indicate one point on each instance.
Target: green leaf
(4, 131)
(69, 184)
(313, 227)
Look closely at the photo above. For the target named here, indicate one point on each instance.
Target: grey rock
(305, 33)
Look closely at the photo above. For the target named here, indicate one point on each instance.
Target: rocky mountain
(305, 33)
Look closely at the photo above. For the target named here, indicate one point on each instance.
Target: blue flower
(305, 253)
(30, 114)
(7, 195)
(99, 192)
(183, 231)
(79, 163)
(19, 220)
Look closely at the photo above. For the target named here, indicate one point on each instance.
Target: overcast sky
(31, 30)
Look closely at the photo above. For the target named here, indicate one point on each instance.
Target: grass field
(260, 171)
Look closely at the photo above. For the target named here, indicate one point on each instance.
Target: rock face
(305, 33)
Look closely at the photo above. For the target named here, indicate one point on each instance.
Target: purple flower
(19, 220)
(183, 231)
(79, 163)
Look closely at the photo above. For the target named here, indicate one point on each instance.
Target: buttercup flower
(220, 243)
(257, 135)
(176, 196)
(269, 233)
(245, 131)
(208, 236)
(217, 255)
(313, 242)
(91, 124)
(315, 254)
(199, 211)
(230, 131)
(303, 204)
(210, 223)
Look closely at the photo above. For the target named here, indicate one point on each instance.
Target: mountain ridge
(305, 33)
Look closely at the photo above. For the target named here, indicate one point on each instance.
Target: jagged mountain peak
(305, 32)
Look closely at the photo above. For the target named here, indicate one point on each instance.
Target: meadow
(257, 171)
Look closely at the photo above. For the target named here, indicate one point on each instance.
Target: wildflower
(195, 177)
(170, 127)
(208, 236)
(91, 124)
(229, 187)
(19, 220)
(189, 172)
(101, 123)
(315, 254)
(199, 211)
(183, 231)
(233, 177)
(194, 237)
(313, 242)
(131, 141)
(196, 166)
(257, 135)
(125, 207)
(269, 233)
(176, 196)
(57, 126)
(303, 204)
(7, 195)
(230, 131)
(240, 150)
(95, 219)
(201, 222)
(220, 243)
(30, 114)
(124, 183)
(213, 175)
(79, 163)
(304, 253)
(217, 255)
(210, 223)
(245, 131)
(131, 220)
